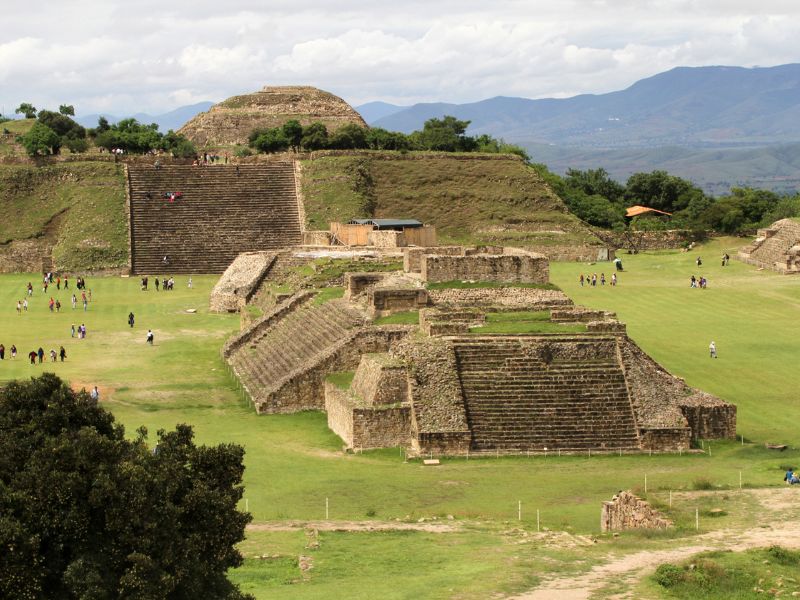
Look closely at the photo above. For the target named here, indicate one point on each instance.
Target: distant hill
(372, 111)
(687, 106)
(173, 119)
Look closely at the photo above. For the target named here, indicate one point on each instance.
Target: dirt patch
(106, 391)
(355, 526)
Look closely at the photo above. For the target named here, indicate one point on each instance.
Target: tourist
(19, 307)
(727, 259)
(30, 289)
(581, 279)
(699, 262)
(51, 304)
(95, 394)
(74, 301)
(62, 353)
(150, 337)
(66, 283)
(130, 319)
(144, 284)
(594, 279)
(157, 283)
(58, 283)
(58, 305)
(73, 331)
(85, 302)
(25, 305)
(53, 355)
(613, 279)
(189, 285)
(2, 352)
(712, 349)
(32, 356)
(602, 278)
(13, 352)
(693, 282)
(40, 354)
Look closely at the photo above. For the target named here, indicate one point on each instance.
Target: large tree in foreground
(87, 514)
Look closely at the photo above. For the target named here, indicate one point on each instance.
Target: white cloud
(153, 56)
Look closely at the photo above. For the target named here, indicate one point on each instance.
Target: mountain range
(173, 119)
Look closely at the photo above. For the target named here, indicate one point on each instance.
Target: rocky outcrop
(231, 121)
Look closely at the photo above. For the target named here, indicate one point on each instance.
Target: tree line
(53, 131)
(447, 134)
(601, 201)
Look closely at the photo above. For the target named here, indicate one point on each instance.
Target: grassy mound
(469, 198)
(77, 208)
(9, 130)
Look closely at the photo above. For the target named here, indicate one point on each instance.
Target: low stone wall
(240, 280)
(384, 301)
(433, 321)
(412, 257)
(365, 428)
(510, 298)
(648, 240)
(356, 283)
(605, 327)
(340, 412)
(380, 379)
(386, 239)
(531, 268)
(627, 511)
(666, 439)
(580, 314)
(709, 417)
(574, 253)
(450, 443)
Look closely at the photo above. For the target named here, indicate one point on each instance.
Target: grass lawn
(294, 462)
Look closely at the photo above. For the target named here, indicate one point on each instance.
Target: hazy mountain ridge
(173, 119)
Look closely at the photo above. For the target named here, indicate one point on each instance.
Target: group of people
(81, 331)
(591, 280)
(167, 284)
(700, 282)
(791, 477)
(40, 354)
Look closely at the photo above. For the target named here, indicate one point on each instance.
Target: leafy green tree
(446, 135)
(271, 140)
(661, 191)
(315, 137)
(76, 145)
(87, 514)
(102, 126)
(61, 124)
(67, 110)
(595, 182)
(27, 109)
(131, 136)
(41, 140)
(293, 131)
(381, 139)
(178, 145)
(349, 137)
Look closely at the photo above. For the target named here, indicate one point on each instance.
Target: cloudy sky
(156, 55)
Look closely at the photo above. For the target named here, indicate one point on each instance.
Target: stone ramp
(530, 395)
(224, 211)
(296, 342)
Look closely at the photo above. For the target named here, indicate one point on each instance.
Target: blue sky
(153, 56)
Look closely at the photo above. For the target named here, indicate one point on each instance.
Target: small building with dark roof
(388, 224)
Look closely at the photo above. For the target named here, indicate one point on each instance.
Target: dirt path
(629, 568)
(355, 526)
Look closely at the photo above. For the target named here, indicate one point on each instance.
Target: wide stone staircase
(223, 211)
(516, 401)
(291, 345)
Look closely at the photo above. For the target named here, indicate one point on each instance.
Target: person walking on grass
(40, 354)
(62, 353)
(74, 302)
(19, 307)
(130, 319)
(25, 305)
(150, 336)
(712, 349)
(32, 356)
(613, 280)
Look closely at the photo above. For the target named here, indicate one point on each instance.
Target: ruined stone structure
(777, 247)
(222, 211)
(230, 122)
(240, 281)
(445, 387)
(627, 511)
(494, 264)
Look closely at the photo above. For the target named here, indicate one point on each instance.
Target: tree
(67, 110)
(178, 145)
(27, 109)
(293, 131)
(41, 140)
(381, 139)
(61, 124)
(86, 513)
(660, 190)
(271, 140)
(131, 136)
(349, 137)
(595, 182)
(315, 136)
(446, 135)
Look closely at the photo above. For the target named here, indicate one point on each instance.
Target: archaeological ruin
(777, 247)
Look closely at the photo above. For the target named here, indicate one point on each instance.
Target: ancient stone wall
(385, 301)
(412, 257)
(532, 268)
(316, 238)
(386, 239)
(627, 511)
(339, 412)
(665, 439)
(380, 380)
(647, 240)
(356, 283)
(580, 314)
(709, 417)
(509, 298)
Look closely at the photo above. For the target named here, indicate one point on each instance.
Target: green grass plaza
(491, 519)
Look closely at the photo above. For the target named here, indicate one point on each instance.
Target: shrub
(669, 575)
(783, 556)
(702, 483)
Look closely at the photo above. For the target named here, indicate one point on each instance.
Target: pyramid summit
(232, 120)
